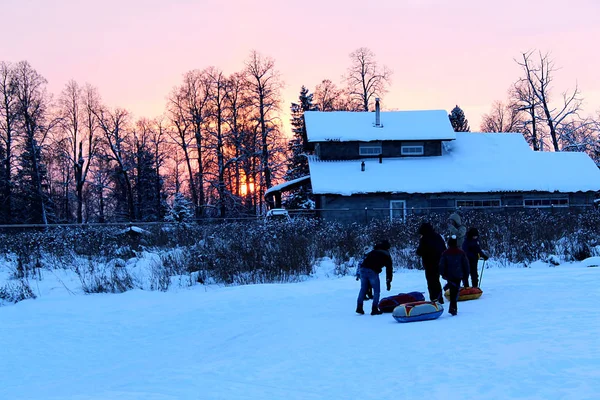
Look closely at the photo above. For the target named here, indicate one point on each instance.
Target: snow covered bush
(15, 291)
(109, 259)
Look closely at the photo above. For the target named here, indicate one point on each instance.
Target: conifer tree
(297, 162)
(146, 192)
(182, 210)
(458, 120)
(31, 176)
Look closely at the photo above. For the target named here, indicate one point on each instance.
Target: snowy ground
(534, 334)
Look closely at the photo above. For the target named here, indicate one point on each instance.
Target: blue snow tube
(418, 311)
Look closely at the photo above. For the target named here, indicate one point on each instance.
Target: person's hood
(425, 228)
(456, 218)
(472, 233)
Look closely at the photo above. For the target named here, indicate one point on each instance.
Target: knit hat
(472, 233)
(452, 241)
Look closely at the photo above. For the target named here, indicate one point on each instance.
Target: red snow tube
(470, 293)
(387, 304)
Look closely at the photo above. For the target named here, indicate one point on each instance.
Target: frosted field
(534, 334)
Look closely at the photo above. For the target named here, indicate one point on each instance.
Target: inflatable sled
(471, 293)
(387, 304)
(418, 311)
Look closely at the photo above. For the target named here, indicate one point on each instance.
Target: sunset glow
(442, 53)
(246, 188)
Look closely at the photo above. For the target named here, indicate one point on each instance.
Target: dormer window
(370, 149)
(412, 150)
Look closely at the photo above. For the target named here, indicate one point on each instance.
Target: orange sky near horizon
(442, 53)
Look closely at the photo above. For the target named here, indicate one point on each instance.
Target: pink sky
(442, 52)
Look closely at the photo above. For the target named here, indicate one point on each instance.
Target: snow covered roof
(474, 162)
(396, 125)
(287, 184)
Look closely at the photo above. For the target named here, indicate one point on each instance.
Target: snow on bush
(114, 259)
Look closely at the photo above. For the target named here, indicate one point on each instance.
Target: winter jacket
(454, 265)
(431, 247)
(376, 259)
(472, 249)
(457, 228)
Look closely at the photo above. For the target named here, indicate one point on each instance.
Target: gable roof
(288, 185)
(396, 125)
(474, 162)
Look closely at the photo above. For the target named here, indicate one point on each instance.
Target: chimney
(377, 116)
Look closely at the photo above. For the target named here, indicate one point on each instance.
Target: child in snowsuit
(431, 247)
(473, 250)
(454, 268)
(371, 267)
(455, 227)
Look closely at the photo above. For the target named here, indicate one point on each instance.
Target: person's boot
(376, 311)
(359, 309)
(440, 299)
(453, 311)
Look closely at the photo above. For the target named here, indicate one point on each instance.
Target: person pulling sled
(369, 271)
(473, 250)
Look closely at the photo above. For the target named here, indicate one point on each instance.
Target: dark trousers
(473, 272)
(454, 287)
(368, 277)
(433, 283)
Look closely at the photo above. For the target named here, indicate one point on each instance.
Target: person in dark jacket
(431, 247)
(454, 268)
(473, 250)
(370, 269)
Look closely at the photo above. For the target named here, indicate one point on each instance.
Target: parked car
(277, 214)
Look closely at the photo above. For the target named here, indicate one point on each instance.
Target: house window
(545, 202)
(371, 149)
(484, 203)
(411, 150)
(398, 210)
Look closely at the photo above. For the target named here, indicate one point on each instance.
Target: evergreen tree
(458, 120)
(32, 175)
(4, 182)
(182, 210)
(146, 191)
(297, 165)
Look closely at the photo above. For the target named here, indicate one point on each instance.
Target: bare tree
(522, 95)
(32, 107)
(182, 135)
(195, 97)
(579, 135)
(365, 79)
(539, 77)
(78, 124)
(237, 108)
(218, 86)
(8, 120)
(113, 125)
(264, 84)
(503, 118)
(327, 96)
